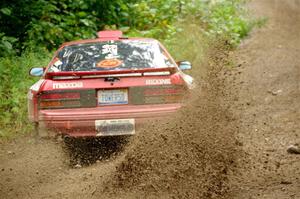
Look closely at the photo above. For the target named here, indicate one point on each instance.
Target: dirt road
(228, 142)
(268, 104)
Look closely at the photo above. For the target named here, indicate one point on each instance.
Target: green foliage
(6, 45)
(223, 18)
(153, 18)
(50, 23)
(61, 21)
(14, 87)
(226, 18)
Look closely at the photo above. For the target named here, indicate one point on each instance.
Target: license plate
(115, 127)
(116, 96)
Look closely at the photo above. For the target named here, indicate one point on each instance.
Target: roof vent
(110, 34)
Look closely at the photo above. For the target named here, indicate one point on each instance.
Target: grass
(15, 82)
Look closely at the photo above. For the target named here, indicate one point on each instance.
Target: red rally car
(107, 86)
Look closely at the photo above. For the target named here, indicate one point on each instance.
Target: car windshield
(111, 55)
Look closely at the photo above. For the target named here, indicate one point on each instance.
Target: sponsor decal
(111, 51)
(67, 85)
(109, 63)
(158, 81)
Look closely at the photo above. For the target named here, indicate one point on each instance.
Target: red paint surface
(81, 121)
(112, 34)
(124, 82)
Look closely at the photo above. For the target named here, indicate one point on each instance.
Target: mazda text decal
(68, 85)
(158, 81)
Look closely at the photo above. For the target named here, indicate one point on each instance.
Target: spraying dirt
(229, 141)
(188, 155)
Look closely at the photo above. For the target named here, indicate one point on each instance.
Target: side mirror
(185, 65)
(36, 72)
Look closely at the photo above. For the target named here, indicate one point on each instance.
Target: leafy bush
(13, 89)
(227, 18)
(222, 18)
(50, 23)
(6, 45)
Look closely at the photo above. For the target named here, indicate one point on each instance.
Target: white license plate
(115, 127)
(116, 96)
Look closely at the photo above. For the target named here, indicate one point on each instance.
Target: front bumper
(80, 122)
